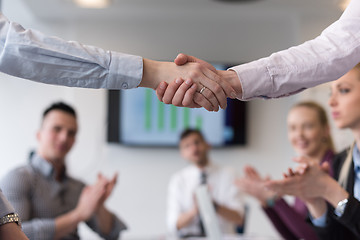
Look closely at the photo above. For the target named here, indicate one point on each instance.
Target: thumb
(182, 58)
(325, 167)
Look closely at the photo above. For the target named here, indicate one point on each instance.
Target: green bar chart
(147, 120)
(168, 116)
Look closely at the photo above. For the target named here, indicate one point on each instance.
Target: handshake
(195, 83)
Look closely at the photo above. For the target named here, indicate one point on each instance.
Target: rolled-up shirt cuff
(118, 226)
(125, 71)
(5, 206)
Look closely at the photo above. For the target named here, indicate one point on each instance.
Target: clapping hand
(93, 196)
(307, 181)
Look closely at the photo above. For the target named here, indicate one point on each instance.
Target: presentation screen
(137, 118)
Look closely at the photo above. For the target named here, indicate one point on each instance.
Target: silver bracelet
(10, 218)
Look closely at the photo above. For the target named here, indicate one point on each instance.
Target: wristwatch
(340, 209)
(10, 218)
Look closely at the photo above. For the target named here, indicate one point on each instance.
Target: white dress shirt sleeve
(320, 60)
(32, 55)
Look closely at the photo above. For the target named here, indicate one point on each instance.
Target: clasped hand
(201, 86)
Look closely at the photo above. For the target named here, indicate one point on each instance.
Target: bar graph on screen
(174, 113)
(137, 118)
(148, 121)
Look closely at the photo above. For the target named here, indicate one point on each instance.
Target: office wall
(140, 195)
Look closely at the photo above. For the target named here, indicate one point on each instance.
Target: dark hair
(189, 131)
(62, 107)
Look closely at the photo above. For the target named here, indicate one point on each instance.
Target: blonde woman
(333, 202)
(308, 133)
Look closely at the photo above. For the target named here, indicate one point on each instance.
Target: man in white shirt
(183, 213)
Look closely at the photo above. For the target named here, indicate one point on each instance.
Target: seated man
(183, 213)
(50, 203)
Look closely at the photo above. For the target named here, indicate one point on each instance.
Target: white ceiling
(172, 26)
(66, 9)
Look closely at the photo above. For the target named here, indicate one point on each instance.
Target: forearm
(230, 215)
(232, 78)
(317, 207)
(104, 219)
(55, 61)
(11, 231)
(185, 219)
(66, 223)
(151, 73)
(347, 226)
(333, 192)
(317, 61)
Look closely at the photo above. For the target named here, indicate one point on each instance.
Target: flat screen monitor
(137, 118)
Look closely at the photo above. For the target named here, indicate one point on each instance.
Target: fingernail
(179, 80)
(162, 85)
(193, 86)
(188, 82)
(233, 95)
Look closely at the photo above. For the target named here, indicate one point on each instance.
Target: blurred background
(218, 31)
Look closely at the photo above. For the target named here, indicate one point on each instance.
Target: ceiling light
(92, 3)
(343, 4)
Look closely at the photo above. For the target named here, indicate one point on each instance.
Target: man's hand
(90, 203)
(90, 199)
(207, 81)
(227, 78)
(182, 59)
(109, 186)
(180, 93)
